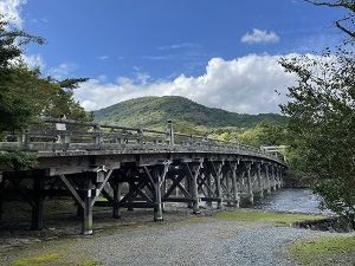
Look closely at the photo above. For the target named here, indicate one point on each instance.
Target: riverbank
(240, 237)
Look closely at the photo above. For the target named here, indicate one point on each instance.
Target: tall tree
(345, 24)
(322, 120)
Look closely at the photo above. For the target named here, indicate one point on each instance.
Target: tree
(24, 93)
(348, 5)
(322, 125)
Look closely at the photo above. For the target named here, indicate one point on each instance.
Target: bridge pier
(218, 177)
(87, 208)
(117, 190)
(260, 181)
(158, 210)
(193, 173)
(209, 178)
(249, 184)
(267, 177)
(236, 198)
(2, 187)
(37, 203)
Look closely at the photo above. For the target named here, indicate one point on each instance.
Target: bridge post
(236, 198)
(209, 192)
(2, 186)
(267, 176)
(158, 211)
(116, 187)
(249, 184)
(130, 191)
(194, 172)
(87, 212)
(38, 203)
(188, 185)
(273, 182)
(260, 182)
(218, 184)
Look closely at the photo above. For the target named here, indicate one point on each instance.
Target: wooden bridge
(121, 167)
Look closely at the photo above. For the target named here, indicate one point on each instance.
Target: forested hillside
(153, 112)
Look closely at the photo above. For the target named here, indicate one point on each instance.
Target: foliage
(24, 93)
(324, 251)
(17, 160)
(155, 111)
(278, 218)
(322, 124)
(345, 24)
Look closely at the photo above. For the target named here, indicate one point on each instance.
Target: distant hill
(153, 112)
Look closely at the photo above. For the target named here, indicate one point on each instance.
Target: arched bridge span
(134, 168)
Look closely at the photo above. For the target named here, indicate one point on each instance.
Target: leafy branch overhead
(345, 24)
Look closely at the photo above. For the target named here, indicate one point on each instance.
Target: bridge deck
(134, 168)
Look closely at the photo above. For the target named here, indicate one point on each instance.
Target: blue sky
(133, 48)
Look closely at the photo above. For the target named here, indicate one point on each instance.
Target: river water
(291, 200)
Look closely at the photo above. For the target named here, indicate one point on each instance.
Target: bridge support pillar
(158, 210)
(2, 185)
(130, 191)
(188, 186)
(209, 191)
(37, 203)
(249, 185)
(260, 181)
(194, 172)
(236, 198)
(267, 177)
(87, 209)
(116, 187)
(218, 184)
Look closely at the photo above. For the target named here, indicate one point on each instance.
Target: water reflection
(291, 200)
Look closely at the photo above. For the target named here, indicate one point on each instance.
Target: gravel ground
(209, 243)
(192, 241)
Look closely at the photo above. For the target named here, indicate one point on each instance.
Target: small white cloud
(156, 57)
(34, 61)
(61, 71)
(178, 46)
(260, 36)
(11, 10)
(103, 57)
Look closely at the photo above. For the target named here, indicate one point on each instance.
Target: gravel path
(192, 241)
(209, 243)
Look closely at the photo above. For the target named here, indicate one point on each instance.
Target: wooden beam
(74, 193)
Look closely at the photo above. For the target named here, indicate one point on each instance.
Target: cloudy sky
(219, 53)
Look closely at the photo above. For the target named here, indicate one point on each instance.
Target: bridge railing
(65, 134)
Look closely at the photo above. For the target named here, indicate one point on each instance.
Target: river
(291, 200)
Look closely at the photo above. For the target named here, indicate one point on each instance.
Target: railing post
(171, 133)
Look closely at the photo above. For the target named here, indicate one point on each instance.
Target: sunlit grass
(38, 260)
(324, 251)
(265, 216)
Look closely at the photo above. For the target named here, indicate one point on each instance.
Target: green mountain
(153, 112)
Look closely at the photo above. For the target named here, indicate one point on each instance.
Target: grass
(338, 250)
(284, 219)
(38, 260)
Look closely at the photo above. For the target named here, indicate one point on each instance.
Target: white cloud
(34, 61)
(103, 57)
(246, 84)
(178, 46)
(61, 71)
(11, 10)
(260, 36)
